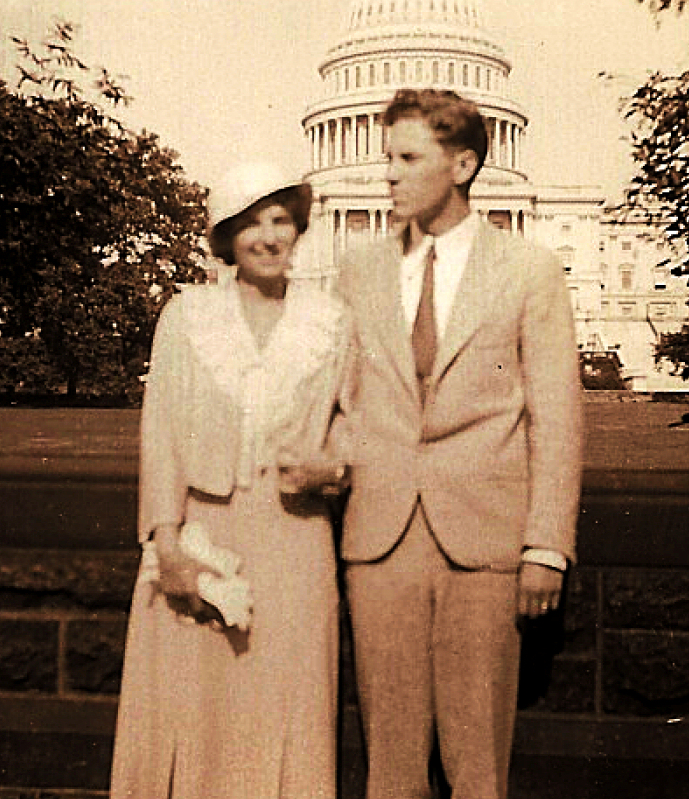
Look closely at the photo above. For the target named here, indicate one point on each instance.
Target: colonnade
(360, 138)
(344, 226)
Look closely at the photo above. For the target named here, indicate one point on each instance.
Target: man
(465, 445)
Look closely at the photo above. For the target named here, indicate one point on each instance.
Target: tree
(659, 114)
(97, 228)
(674, 347)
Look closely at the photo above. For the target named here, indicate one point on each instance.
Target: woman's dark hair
(456, 122)
(296, 200)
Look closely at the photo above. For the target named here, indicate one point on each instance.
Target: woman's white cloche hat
(248, 182)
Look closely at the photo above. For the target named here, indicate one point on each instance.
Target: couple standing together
(443, 372)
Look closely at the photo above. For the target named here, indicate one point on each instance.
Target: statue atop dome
(376, 13)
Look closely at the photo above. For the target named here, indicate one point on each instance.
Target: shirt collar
(457, 238)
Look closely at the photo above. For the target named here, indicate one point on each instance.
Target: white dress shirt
(451, 256)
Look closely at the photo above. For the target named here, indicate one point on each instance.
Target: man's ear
(466, 165)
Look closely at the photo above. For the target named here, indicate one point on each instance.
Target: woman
(244, 375)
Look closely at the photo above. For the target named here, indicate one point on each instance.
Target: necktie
(424, 336)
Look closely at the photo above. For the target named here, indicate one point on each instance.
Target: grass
(619, 434)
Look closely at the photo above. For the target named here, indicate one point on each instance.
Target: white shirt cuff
(545, 557)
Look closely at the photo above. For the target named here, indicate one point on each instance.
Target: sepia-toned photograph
(344, 399)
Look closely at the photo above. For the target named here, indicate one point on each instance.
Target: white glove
(229, 594)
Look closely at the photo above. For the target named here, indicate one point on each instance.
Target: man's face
(421, 172)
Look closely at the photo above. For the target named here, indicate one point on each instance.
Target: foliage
(674, 347)
(97, 227)
(657, 6)
(659, 113)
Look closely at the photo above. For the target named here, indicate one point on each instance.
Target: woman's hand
(179, 575)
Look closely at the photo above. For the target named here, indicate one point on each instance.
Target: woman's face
(263, 247)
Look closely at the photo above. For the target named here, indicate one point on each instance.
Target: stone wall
(614, 687)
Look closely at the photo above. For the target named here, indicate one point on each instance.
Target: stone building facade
(622, 292)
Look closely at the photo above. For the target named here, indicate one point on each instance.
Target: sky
(217, 79)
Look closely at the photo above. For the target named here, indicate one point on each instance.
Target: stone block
(570, 687)
(580, 611)
(645, 673)
(78, 511)
(646, 599)
(49, 763)
(28, 655)
(28, 793)
(66, 580)
(94, 654)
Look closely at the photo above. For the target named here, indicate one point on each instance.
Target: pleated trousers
(437, 658)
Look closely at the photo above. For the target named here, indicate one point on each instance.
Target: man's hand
(319, 475)
(539, 589)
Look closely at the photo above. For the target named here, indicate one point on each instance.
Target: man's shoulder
(520, 250)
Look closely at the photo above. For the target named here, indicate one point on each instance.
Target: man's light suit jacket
(495, 452)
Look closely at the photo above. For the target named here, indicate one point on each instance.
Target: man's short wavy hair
(456, 122)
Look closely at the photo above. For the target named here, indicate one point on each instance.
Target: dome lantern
(366, 14)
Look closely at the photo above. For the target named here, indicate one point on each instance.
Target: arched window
(419, 71)
(436, 72)
(451, 72)
(403, 71)
(478, 77)
(465, 74)
(371, 74)
(386, 72)
(358, 77)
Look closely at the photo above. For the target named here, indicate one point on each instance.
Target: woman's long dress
(206, 714)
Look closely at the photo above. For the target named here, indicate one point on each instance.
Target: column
(352, 140)
(517, 147)
(510, 149)
(371, 224)
(343, 230)
(514, 221)
(338, 141)
(528, 225)
(330, 237)
(369, 149)
(317, 146)
(332, 144)
(360, 141)
(496, 141)
(384, 222)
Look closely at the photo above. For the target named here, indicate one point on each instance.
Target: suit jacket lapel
(394, 335)
(475, 294)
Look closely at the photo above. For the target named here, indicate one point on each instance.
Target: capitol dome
(390, 44)
(387, 45)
